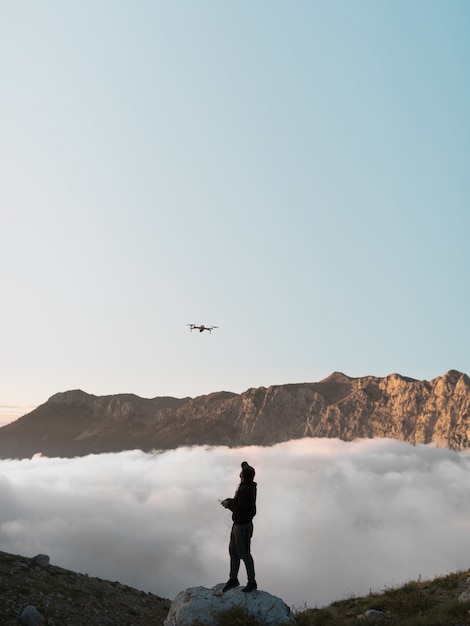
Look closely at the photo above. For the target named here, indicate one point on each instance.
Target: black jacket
(243, 505)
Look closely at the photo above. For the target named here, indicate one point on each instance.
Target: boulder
(202, 604)
(40, 560)
(373, 614)
(30, 616)
(465, 595)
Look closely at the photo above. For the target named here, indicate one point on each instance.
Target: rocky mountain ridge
(75, 423)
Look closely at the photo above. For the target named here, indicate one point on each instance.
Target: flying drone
(201, 327)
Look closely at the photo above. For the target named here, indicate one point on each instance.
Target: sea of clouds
(334, 519)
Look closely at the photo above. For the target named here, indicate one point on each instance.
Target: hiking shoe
(230, 584)
(250, 587)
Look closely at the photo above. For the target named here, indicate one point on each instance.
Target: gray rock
(41, 560)
(30, 616)
(200, 603)
(464, 596)
(372, 614)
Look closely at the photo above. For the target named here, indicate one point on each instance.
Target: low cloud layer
(334, 519)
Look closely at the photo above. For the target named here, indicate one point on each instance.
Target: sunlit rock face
(75, 423)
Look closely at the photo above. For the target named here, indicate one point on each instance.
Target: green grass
(417, 603)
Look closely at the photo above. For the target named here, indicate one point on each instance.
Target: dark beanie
(248, 471)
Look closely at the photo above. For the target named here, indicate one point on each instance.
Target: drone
(201, 327)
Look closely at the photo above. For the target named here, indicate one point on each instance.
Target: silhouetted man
(243, 507)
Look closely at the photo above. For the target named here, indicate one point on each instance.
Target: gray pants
(239, 549)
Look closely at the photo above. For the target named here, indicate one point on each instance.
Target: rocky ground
(65, 598)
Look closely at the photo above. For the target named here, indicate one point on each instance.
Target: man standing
(243, 507)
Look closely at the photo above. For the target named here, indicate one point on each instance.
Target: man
(243, 507)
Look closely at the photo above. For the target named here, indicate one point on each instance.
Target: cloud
(334, 519)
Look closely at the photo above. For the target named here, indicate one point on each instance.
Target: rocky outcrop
(207, 606)
(76, 423)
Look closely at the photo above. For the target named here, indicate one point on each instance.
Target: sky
(335, 520)
(294, 173)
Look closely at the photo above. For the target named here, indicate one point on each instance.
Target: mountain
(75, 423)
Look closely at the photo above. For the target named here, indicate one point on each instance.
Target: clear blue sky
(295, 173)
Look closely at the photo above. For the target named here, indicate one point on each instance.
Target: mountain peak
(74, 395)
(337, 377)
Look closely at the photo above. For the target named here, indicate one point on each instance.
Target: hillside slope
(70, 599)
(75, 423)
(66, 598)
